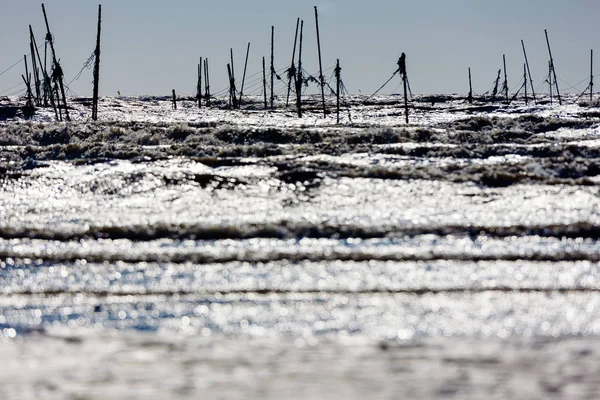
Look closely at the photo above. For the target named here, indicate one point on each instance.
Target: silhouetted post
(174, 100)
(470, 97)
(36, 73)
(47, 84)
(505, 84)
(58, 72)
(550, 83)
(97, 68)
(244, 75)
(338, 71)
(265, 83)
(27, 80)
(591, 77)
(529, 73)
(232, 80)
(402, 70)
(321, 77)
(495, 91)
(525, 84)
(299, 79)
(552, 69)
(272, 66)
(207, 82)
(231, 89)
(44, 90)
(292, 70)
(199, 88)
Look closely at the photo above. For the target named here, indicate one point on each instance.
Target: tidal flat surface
(258, 253)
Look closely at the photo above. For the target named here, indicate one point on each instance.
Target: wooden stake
(234, 102)
(552, 69)
(321, 77)
(402, 70)
(174, 100)
(199, 89)
(338, 71)
(97, 68)
(244, 76)
(529, 73)
(265, 82)
(47, 85)
(550, 83)
(299, 79)
(525, 84)
(207, 82)
(470, 97)
(591, 78)
(495, 91)
(58, 72)
(36, 73)
(230, 86)
(272, 66)
(505, 84)
(292, 70)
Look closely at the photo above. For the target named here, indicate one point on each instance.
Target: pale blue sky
(152, 46)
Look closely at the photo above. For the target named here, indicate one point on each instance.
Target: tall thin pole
(57, 68)
(36, 72)
(550, 83)
(505, 78)
(292, 70)
(244, 75)
(199, 90)
(525, 84)
(265, 82)
(591, 77)
(234, 102)
(470, 97)
(206, 82)
(272, 66)
(299, 79)
(338, 71)
(529, 73)
(321, 77)
(402, 70)
(47, 84)
(552, 69)
(97, 68)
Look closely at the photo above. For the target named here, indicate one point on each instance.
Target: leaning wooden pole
(553, 70)
(299, 79)
(525, 83)
(48, 94)
(36, 73)
(265, 82)
(505, 79)
(338, 72)
(591, 77)
(292, 70)
(470, 97)
(272, 67)
(45, 81)
(529, 73)
(244, 75)
(57, 68)
(97, 68)
(321, 77)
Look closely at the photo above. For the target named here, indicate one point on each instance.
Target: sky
(150, 47)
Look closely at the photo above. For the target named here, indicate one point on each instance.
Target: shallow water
(464, 225)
